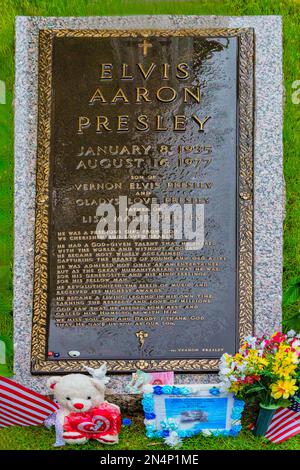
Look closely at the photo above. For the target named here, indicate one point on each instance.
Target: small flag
(20, 406)
(285, 422)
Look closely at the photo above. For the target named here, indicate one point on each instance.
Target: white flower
(147, 388)
(263, 344)
(291, 333)
(225, 385)
(148, 421)
(173, 439)
(223, 358)
(243, 367)
(251, 340)
(206, 432)
(296, 343)
(225, 370)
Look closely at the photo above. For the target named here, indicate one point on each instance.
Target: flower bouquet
(265, 368)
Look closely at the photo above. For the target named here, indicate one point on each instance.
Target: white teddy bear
(83, 413)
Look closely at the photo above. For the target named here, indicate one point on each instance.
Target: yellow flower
(256, 361)
(238, 358)
(294, 358)
(262, 361)
(284, 370)
(228, 358)
(235, 387)
(283, 389)
(285, 354)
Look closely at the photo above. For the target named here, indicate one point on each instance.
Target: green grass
(133, 437)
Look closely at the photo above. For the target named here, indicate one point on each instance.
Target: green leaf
(292, 293)
(293, 323)
(5, 371)
(283, 403)
(257, 388)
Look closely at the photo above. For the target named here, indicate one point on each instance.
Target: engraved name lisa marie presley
(142, 94)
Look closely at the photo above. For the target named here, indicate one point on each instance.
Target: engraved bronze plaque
(144, 118)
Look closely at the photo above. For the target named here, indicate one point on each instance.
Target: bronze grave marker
(143, 117)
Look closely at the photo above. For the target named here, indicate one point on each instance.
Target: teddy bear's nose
(79, 406)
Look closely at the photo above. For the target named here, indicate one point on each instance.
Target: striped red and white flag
(285, 423)
(20, 406)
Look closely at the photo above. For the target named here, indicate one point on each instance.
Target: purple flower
(157, 390)
(150, 415)
(165, 433)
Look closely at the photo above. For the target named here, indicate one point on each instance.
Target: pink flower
(278, 337)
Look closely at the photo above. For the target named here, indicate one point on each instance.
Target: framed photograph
(191, 409)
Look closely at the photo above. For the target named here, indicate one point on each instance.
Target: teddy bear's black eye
(89, 398)
(68, 398)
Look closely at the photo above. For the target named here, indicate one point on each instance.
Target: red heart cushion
(105, 419)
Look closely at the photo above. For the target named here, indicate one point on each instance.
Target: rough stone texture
(268, 187)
